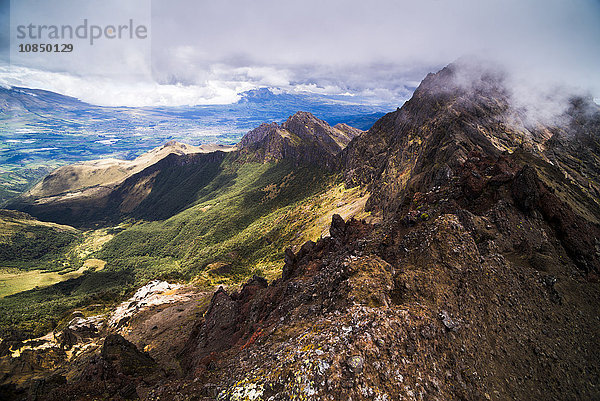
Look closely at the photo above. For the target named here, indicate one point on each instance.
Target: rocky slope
(455, 133)
(462, 110)
(480, 283)
(479, 279)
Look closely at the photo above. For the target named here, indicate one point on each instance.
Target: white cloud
(221, 85)
(108, 91)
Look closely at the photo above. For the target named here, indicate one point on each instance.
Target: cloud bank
(208, 51)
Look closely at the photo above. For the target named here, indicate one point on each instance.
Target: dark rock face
(338, 226)
(468, 133)
(119, 372)
(525, 189)
(221, 319)
(33, 373)
(258, 134)
(125, 357)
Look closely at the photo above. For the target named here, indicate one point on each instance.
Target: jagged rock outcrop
(436, 311)
(79, 330)
(119, 372)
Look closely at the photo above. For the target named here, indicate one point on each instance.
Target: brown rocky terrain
(479, 279)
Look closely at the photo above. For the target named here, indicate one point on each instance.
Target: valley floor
(12, 283)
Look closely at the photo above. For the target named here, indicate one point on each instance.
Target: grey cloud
(361, 45)
(379, 48)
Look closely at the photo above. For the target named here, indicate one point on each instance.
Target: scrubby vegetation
(239, 221)
(29, 244)
(239, 225)
(36, 247)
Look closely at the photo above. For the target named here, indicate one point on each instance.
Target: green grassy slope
(236, 220)
(238, 225)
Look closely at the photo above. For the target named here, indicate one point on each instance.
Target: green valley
(215, 218)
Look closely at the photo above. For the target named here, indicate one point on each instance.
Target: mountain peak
(172, 143)
(302, 116)
(302, 137)
(260, 94)
(259, 133)
(465, 109)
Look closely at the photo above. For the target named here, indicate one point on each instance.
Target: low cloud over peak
(208, 52)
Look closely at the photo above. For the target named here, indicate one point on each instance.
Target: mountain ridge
(472, 272)
(104, 191)
(110, 172)
(460, 119)
(79, 131)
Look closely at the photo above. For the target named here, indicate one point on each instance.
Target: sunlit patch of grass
(12, 283)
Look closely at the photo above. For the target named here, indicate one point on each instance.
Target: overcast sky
(202, 52)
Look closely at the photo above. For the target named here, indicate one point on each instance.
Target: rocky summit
(470, 273)
(302, 137)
